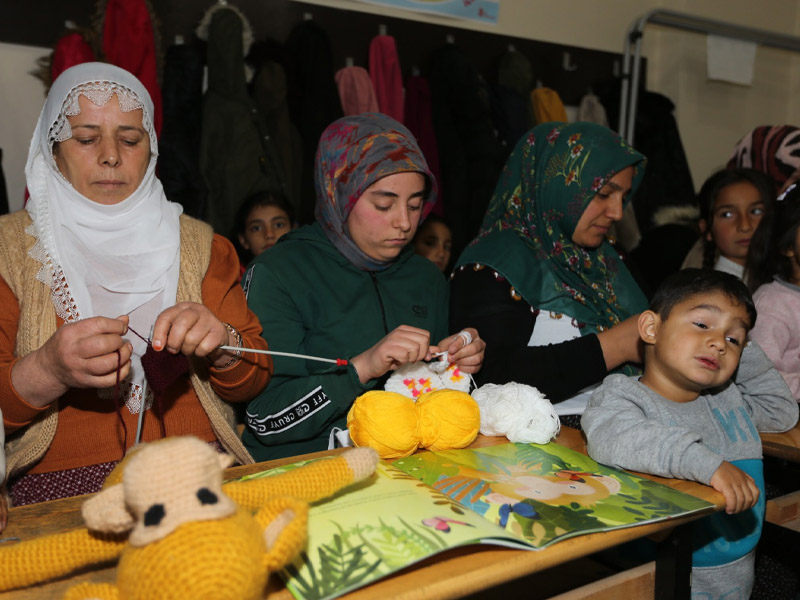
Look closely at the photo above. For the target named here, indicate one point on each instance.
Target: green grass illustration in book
(524, 496)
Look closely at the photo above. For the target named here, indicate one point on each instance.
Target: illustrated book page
(526, 496)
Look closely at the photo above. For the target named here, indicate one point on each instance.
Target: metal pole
(677, 20)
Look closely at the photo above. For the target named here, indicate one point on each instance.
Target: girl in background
(261, 221)
(774, 266)
(434, 241)
(732, 204)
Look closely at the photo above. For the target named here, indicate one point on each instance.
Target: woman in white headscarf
(95, 265)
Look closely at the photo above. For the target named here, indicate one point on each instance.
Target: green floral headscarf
(553, 173)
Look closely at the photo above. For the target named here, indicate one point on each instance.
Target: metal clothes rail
(677, 20)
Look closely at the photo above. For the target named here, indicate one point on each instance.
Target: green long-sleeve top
(311, 300)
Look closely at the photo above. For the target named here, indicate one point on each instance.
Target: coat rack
(677, 20)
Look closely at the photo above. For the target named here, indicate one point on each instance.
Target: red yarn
(162, 369)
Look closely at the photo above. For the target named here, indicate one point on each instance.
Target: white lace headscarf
(102, 260)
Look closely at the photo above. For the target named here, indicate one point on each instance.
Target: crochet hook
(339, 362)
(435, 356)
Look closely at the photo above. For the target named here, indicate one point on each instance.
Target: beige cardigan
(38, 323)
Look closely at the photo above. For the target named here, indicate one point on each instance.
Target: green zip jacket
(311, 300)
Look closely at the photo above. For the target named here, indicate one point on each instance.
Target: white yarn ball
(518, 411)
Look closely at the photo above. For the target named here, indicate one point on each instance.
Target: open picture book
(526, 496)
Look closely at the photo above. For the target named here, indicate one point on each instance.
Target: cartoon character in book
(559, 489)
(563, 487)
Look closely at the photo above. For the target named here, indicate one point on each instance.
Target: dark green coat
(237, 155)
(312, 300)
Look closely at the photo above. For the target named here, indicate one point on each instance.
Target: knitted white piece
(417, 378)
(518, 411)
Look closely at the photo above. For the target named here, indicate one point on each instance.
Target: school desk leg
(674, 565)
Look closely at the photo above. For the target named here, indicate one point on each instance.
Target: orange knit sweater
(89, 431)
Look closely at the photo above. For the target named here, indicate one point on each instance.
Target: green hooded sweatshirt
(311, 300)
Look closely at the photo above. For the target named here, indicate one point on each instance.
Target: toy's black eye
(206, 496)
(154, 515)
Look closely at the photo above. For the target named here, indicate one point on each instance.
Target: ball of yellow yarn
(448, 419)
(385, 421)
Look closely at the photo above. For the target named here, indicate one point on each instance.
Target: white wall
(21, 99)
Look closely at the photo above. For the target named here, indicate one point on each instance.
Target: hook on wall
(450, 38)
(382, 29)
(348, 61)
(567, 64)
(307, 16)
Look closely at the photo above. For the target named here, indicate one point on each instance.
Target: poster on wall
(474, 10)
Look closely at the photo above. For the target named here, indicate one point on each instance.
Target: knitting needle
(340, 362)
(140, 420)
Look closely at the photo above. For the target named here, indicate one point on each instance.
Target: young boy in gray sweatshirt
(693, 415)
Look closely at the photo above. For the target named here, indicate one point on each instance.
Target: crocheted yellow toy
(180, 532)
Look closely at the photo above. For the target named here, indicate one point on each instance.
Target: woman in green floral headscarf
(548, 292)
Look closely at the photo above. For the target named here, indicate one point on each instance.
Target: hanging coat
(471, 157)
(269, 93)
(179, 146)
(384, 69)
(419, 120)
(236, 156)
(313, 98)
(129, 42)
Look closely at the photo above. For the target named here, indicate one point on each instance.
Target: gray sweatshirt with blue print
(630, 426)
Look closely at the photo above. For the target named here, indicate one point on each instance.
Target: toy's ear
(225, 460)
(106, 511)
(285, 523)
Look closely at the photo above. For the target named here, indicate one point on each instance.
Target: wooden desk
(453, 574)
(784, 510)
(784, 445)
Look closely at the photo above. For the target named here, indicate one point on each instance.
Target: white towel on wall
(730, 60)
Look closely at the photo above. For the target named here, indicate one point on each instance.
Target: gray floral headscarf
(353, 153)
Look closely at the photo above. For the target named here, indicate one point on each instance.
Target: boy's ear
(243, 241)
(648, 326)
